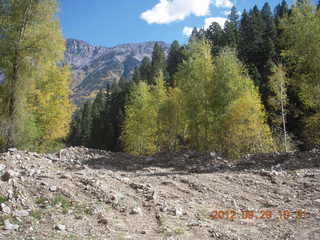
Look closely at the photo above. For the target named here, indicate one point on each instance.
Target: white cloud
(187, 31)
(226, 13)
(224, 4)
(209, 21)
(167, 11)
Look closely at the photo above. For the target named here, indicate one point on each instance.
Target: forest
(252, 86)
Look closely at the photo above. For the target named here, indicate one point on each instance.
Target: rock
(10, 226)
(21, 213)
(2, 167)
(12, 150)
(6, 176)
(213, 154)
(103, 221)
(136, 210)
(178, 212)
(126, 180)
(60, 227)
(53, 189)
(317, 202)
(5, 209)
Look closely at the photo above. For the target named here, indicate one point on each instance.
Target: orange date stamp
(261, 214)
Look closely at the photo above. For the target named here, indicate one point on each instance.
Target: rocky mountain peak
(96, 67)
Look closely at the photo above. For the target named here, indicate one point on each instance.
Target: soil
(81, 193)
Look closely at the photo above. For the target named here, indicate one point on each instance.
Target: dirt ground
(81, 193)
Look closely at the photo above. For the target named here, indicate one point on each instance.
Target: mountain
(96, 67)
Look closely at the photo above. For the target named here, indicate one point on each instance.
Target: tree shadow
(186, 163)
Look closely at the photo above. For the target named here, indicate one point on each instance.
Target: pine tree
(136, 76)
(175, 58)
(194, 35)
(215, 35)
(231, 29)
(97, 127)
(158, 63)
(123, 83)
(145, 70)
(86, 124)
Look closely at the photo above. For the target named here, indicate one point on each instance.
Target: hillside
(80, 193)
(95, 67)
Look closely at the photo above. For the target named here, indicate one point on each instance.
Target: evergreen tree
(97, 128)
(281, 11)
(145, 70)
(215, 35)
(136, 76)
(74, 138)
(175, 58)
(158, 63)
(86, 124)
(123, 83)
(115, 88)
(231, 29)
(194, 35)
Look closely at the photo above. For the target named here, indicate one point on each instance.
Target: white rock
(53, 188)
(136, 210)
(2, 167)
(10, 226)
(5, 209)
(178, 212)
(21, 213)
(60, 227)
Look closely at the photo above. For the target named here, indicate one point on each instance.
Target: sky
(112, 22)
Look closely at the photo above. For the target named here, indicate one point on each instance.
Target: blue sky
(112, 22)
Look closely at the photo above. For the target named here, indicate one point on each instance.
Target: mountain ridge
(96, 67)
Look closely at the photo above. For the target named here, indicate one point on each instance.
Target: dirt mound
(81, 193)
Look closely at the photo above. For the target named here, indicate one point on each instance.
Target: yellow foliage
(140, 125)
(245, 129)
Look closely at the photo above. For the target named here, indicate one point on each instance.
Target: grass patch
(37, 214)
(179, 231)
(3, 199)
(41, 200)
(62, 201)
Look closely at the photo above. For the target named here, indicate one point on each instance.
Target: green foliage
(175, 58)
(278, 101)
(35, 94)
(300, 39)
(158, 63)
(245, 127)
(140, 125)
(194, 78)
(3, 199)
(240, 117)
